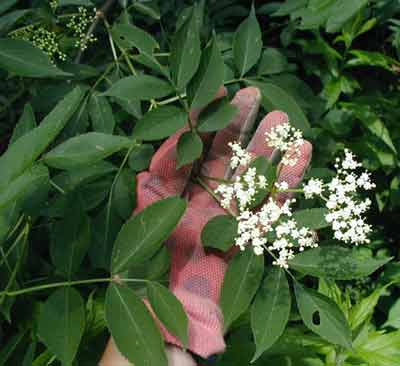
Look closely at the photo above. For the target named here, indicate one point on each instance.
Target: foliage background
(336, 60)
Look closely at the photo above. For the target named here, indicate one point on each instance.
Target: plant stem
(53, 285)
(233, 81)
(276, 258)
(13, 99)
(57, 187)
(171, 100)
(11, 248)
(110, 196)
(219, 180)
(212, 194)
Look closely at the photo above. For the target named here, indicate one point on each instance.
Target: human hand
(176, 356)
(196, 274)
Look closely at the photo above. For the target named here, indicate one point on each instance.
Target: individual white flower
(313, 187)
(364, 181)
(287, 140)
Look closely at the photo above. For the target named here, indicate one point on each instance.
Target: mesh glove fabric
(196, 275)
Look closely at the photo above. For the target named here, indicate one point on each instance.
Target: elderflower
(240, 157)
(283, 186)
(287, 140)
(313, 187)
(254, 227)
(346, 209)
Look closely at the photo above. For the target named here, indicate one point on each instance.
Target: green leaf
(26, 123)
(74, 2)
(24, 59)
(149, 9)
(169, 311)
(189, 148)
(142, 235)
(208, 78)
(312, 218)
(140, 158)
(268, 170)
(62, 322)
(160, 123)
(124, 194)
(367, 58)
(85, 149)
(132, 328)
(241, 282)
(273, 97)
(9, 19)
(341, 12)
(216, 116)
(21, 154)
(372, 122)
(70, 179)
(152, 63)
(101, 114)
(336, 263)
(8, 348)
(270, 310)
(70, 239)
(128, 35)
(24, 186)
(272, 62)
(247, 43)
(322, 316)
(7, 4)
(185, 52)
(220, 232)
(364, 309)
(140, 87)
(393, 319)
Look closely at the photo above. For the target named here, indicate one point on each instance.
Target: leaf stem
(110, 196)
(219, 180)
(53, 285)
(57, 187)
(212, 194)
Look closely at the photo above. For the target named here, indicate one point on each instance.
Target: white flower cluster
(240, 157)
(254, 227)
(287, 140)
(243, 189)
(345, 207)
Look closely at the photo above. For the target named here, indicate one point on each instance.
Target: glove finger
(163, 178)
(293, 175)
(217, 162)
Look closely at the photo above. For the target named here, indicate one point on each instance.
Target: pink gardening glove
(197, 275)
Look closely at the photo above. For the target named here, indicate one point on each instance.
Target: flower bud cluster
(42, 38)
(79, 25)
(53, 4)
(287, 140)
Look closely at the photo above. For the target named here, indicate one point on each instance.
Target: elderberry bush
(89, 92)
